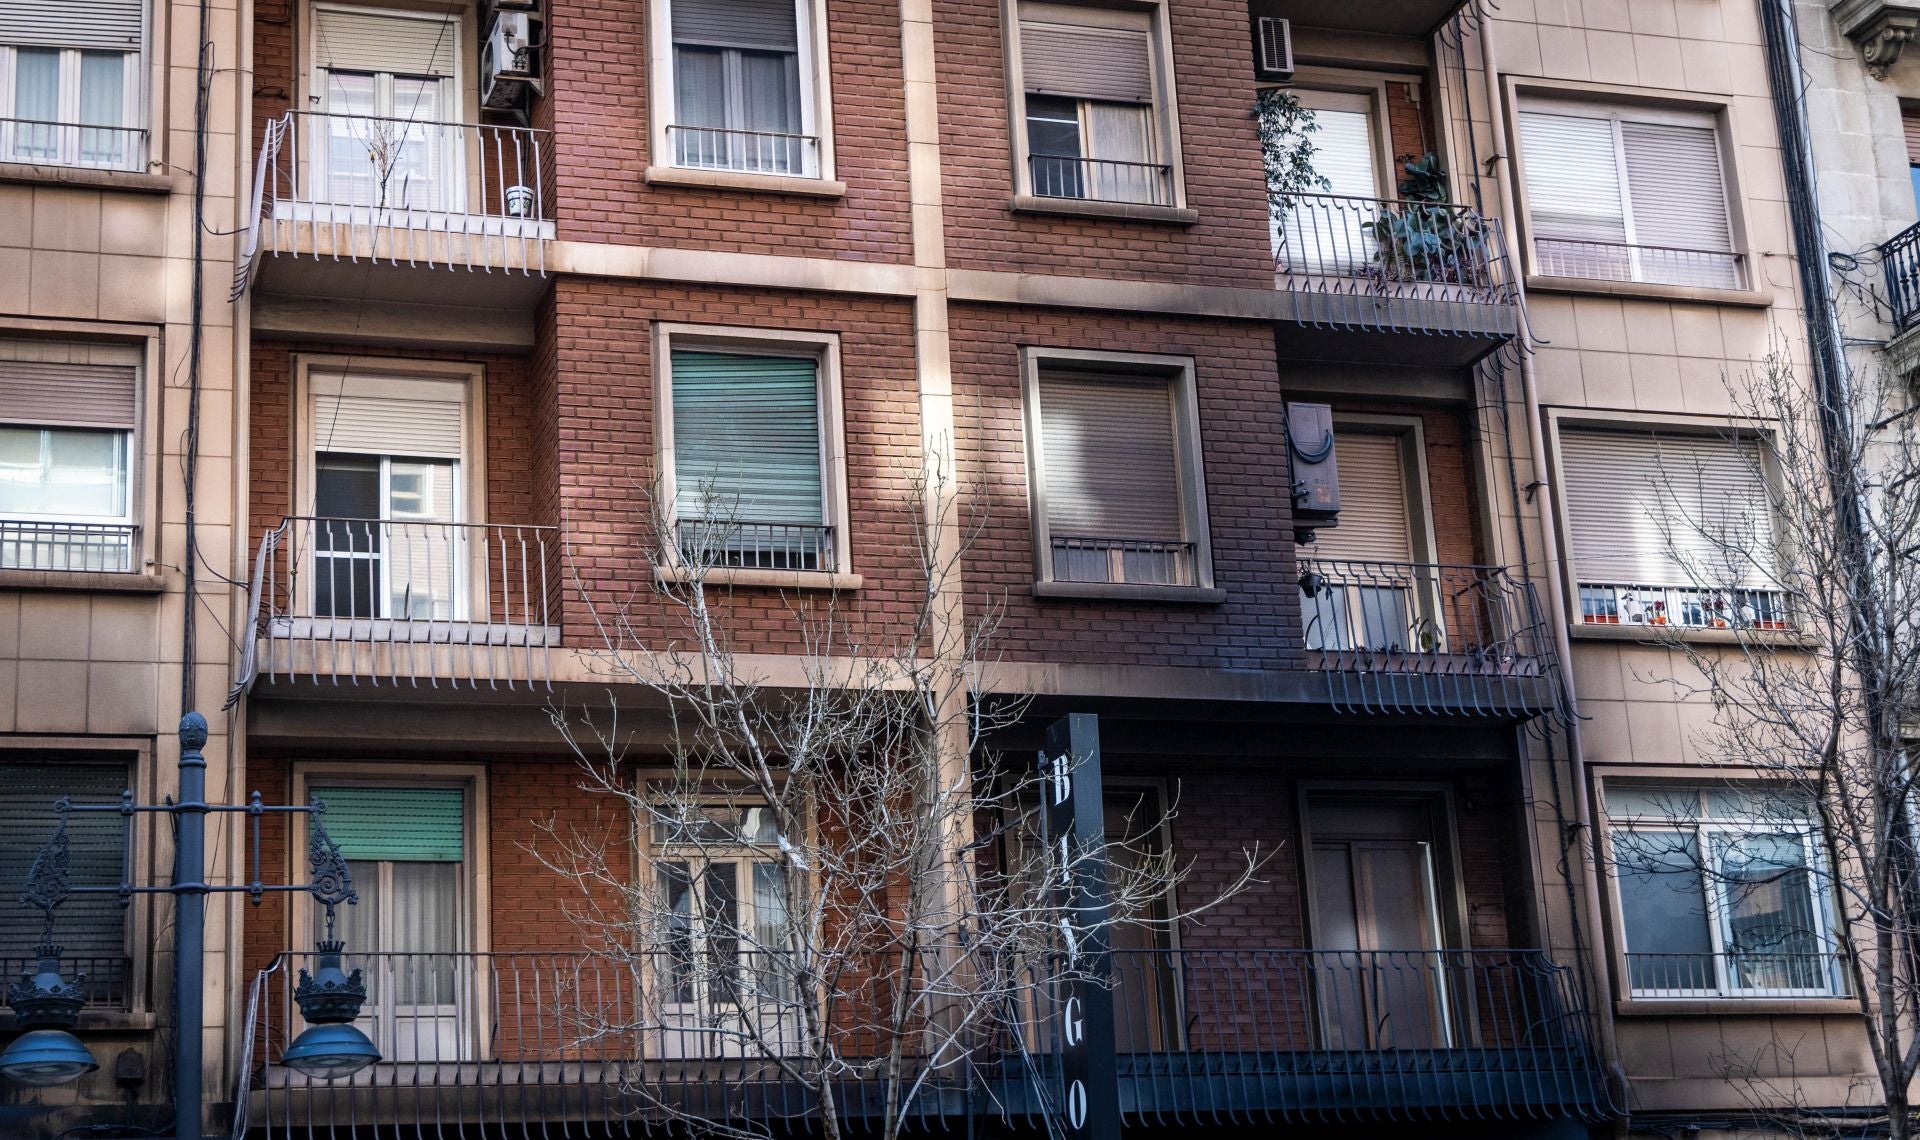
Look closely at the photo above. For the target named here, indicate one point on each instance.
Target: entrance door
(405, 851)
(1379, 978)
(388, 136)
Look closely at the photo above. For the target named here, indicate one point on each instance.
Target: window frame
(1701, 828)
(133, 100)
(816, 101)
(1178, 372)
(1640, 105)
(823, 348)
(1163, 113)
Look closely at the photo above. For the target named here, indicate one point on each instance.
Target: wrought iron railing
(67, 546)
(39, 142)
(742, 544)
(1648, 264)
(1684, 607)
(1101, 179)
(402, 191)
(473, 1041)
(1900, 261)
(403, 600)
(1391, 247)
(750, 152)
(1422, 617)
(106, 981)
(1145, 561)
(1811, 972)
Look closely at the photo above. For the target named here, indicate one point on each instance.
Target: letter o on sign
(1077, 1105)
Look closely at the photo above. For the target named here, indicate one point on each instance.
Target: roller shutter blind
(1343, 152)
(1574, 194)
(399, 45)
(369, 416)
(766, 25)
(106, 25)
(68, 395)
(1679, 200)
(1059, 56)
(1910, 129)
(748, 429)
(86, 926)
(1662, 510)
(1374, 521)
(418, 825)
(1111, 465)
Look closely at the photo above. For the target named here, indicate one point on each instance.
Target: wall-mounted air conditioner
(1272, 50)
(510, 62)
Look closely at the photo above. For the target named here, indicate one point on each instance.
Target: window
(1910, 132)
(755, 484)
(406, 850)
(743, 87)
(386, 134)
(1669, 529)
(70, 84)
(1720, 892)
(90, 928)
(1329, 232)
(388, 536)
(1628, 194)
(1095, 125)
(67, 417)
(1359, 587)
(1115, 473)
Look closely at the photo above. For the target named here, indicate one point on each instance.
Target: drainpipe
(1557, 602)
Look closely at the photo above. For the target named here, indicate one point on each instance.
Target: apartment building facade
(1329, 499)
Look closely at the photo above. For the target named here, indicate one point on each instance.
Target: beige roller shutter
(1111, 465)
(348, 40)
(1086, 54)
(69, 395)
(1375, 524)
(771, 25)
(361, 415)
(1910, 128)
(1679, 199)
(1576, 205)
(1666, 510)
(104, 25)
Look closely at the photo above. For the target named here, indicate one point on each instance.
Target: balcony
(1386, 268)
(1101, 180)
(744, 152)
(1431, 639)
(396, 601)
(403, 194)
(473, 1041)
(1655, 607)
(1900, 260)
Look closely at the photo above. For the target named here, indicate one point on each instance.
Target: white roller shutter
(1112, 467)
(1575, 203)
(105, 25)
(1679, 199)
(1666, 510)
(1065, 53)
(1375, 524)
(1343, 152)
(349, 40)
(47, 394)
(361, 415)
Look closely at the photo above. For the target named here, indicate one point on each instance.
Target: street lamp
(47, 1005)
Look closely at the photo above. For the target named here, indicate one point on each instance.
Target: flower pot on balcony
(519, 201)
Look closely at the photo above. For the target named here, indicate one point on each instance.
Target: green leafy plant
(1286, 148)
(1423, 237)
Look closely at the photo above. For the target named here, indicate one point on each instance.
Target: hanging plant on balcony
(1423, 237)
(1286, 148)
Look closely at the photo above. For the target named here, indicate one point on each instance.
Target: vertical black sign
(1075, 829)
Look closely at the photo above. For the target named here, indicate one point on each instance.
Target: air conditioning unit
(1316, 482)
(510, 63)
(1272, 49)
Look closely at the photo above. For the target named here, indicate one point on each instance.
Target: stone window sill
(1656, 634)
(138, 182)
(741, 180)
(1640, 290)
(769, 579)
(1130, 592)
(1734, 1007)
(1115, 211)
(97, 581)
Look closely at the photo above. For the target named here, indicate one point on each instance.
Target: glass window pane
(720, 913)
(352, 143)
(103, 76)
(411, 147)
(1053, 146)
(36, 102)
(1663, 910)
(1771, 931)
(770, 108)
(1652, 802)
(675, 884)
(346, 487)
(700, 95)
(63, 472)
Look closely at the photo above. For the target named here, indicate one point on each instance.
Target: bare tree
(1813, 681)
(841, 887)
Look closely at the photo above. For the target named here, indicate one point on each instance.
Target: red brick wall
(1220, 149)
(1244, 456)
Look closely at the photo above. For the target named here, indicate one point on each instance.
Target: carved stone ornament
(1881, 29)
(329, 995)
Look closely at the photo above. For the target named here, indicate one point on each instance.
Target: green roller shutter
(86, 926)
(748, 429)
(417, 825)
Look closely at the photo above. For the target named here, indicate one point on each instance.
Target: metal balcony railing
(1101, 179)
(1900, 260)
(1649, 264)
(741, 544)
(1809, 972)
(106, 982)
(1684, 607)
(472, 1041)
(401, 191)
(404, 600)
(40, 142)
(1144, 561)
(67, 546)
(749, 152)
(1335, 243)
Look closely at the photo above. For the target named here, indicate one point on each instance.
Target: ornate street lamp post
(48, 1005)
